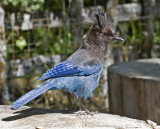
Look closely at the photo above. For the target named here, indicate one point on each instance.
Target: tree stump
(34, 118)
(134, 89)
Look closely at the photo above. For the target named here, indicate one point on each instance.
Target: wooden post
(76, 22)
(148, 7)
(134, 89)
(4, 95)
(2, 33)
(112, 11)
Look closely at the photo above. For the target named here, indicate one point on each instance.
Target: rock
(34, 118)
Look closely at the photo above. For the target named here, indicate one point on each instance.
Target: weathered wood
(134, 89)
(2, 33)
(148, 9)
(75, 17)
(4, 94)
(31, 118)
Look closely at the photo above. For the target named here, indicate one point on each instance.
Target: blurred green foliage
(24, 5)
(40, 5)
(50, 42)
(32, 5)
(21, 43)
(136, 36)
(41, 41)
(133, 33)
(38, 41)
(156, 35)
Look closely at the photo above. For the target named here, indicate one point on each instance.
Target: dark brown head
(101, 31)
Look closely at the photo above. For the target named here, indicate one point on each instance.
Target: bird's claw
(87, 113)
(92, 113)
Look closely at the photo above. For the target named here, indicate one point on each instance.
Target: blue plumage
(80, 73)
(80, 81)
(67, 69)
(61, 69)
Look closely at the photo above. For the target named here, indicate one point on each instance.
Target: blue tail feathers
(31, 95)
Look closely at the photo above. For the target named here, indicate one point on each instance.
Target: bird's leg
(86, 110)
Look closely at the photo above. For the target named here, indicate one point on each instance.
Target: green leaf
(21, 43)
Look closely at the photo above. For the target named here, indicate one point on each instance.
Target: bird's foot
(87, 112)
(92, 113)
(81, 113)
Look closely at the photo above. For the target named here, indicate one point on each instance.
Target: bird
(80, 73)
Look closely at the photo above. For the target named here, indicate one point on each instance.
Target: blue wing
(68, 69)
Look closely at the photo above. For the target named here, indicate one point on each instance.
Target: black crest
(102, 22)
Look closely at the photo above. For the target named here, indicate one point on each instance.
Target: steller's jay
(80, 73)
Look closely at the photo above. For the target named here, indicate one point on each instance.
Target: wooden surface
(34, 118)
(134, 89)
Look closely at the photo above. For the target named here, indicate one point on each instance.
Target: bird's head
(101, 30)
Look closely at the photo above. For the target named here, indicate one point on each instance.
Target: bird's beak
(115, 37)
